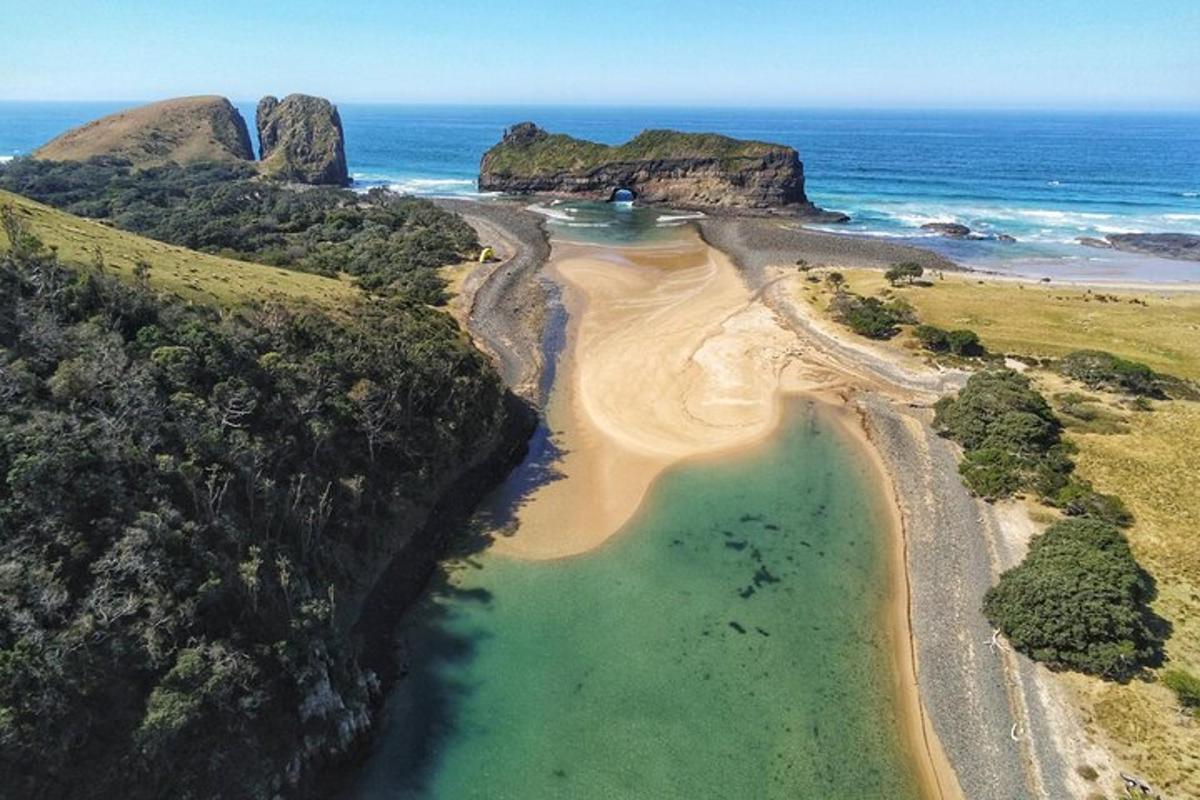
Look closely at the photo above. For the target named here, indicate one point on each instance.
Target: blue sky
(873, 53)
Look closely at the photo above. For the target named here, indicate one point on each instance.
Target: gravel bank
(755, 242)
(510, 303)
(975, 694)
(992, 710)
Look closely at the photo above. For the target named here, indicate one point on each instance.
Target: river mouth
(731, 643)
(737, 639)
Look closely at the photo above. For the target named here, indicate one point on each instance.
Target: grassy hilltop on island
(556, 153)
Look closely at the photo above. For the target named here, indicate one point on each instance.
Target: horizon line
(657, 105)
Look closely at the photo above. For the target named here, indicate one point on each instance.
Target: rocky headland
(685, 170)
(302, 139)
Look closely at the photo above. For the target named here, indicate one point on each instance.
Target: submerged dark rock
(952, 230)
(1179, 246)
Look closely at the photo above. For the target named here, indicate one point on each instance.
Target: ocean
(1044, 178)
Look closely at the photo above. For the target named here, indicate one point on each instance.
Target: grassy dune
(1150, 459)
(191, 275)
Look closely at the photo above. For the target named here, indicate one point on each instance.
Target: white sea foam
(414, 185)
(588, 224)
(678, 217)
(552, 213)
(1189, 194)
(1182, 217)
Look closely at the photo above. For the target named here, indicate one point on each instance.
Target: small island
(686, 170)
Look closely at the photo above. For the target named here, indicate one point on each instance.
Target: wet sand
(669, 357)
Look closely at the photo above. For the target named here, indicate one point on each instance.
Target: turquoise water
(728, 644)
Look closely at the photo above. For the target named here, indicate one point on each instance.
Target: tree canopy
(390, 243)
(1079, 601)
(186, 501)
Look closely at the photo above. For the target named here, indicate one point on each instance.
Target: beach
(684, 352)
(672, 357)
(669, 357)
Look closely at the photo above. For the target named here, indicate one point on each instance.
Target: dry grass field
(1151, 459)
(1159, 328)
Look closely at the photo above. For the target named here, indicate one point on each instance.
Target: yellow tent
(487, 254)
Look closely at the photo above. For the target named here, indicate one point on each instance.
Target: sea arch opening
(622, 194)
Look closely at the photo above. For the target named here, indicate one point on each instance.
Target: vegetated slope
(181, 130)
(388, 242)
(188, 274)
(192, 504)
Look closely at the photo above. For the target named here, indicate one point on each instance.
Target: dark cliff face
(302, 140)
(681, 169)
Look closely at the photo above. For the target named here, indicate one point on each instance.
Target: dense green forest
(185, 496)
(387, 241)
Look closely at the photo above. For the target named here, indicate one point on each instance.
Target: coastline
(962, 707)
(932, 769)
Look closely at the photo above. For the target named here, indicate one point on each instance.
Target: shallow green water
(728, 644)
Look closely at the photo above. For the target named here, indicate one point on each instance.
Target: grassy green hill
(181, 130)
(188, 274)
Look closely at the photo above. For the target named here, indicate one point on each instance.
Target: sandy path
(670, 357)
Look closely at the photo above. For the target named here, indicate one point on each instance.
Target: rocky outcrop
(1178, 246)
(183, 130)
(302, 140)
(953, 230)
(686, 170)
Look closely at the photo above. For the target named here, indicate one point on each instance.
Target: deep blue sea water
(1044, 178)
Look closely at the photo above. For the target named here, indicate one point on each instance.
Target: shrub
(870, 316)
(1186, 687)
(1078, 499)
(1011, 437)
(991, 472)
(907, 271)
(1079, 601)
(933, 338)
(964, 343)
(959, 342)
(1101, 370)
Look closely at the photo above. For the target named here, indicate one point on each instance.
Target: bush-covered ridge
(388, 242)
(183, 497)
